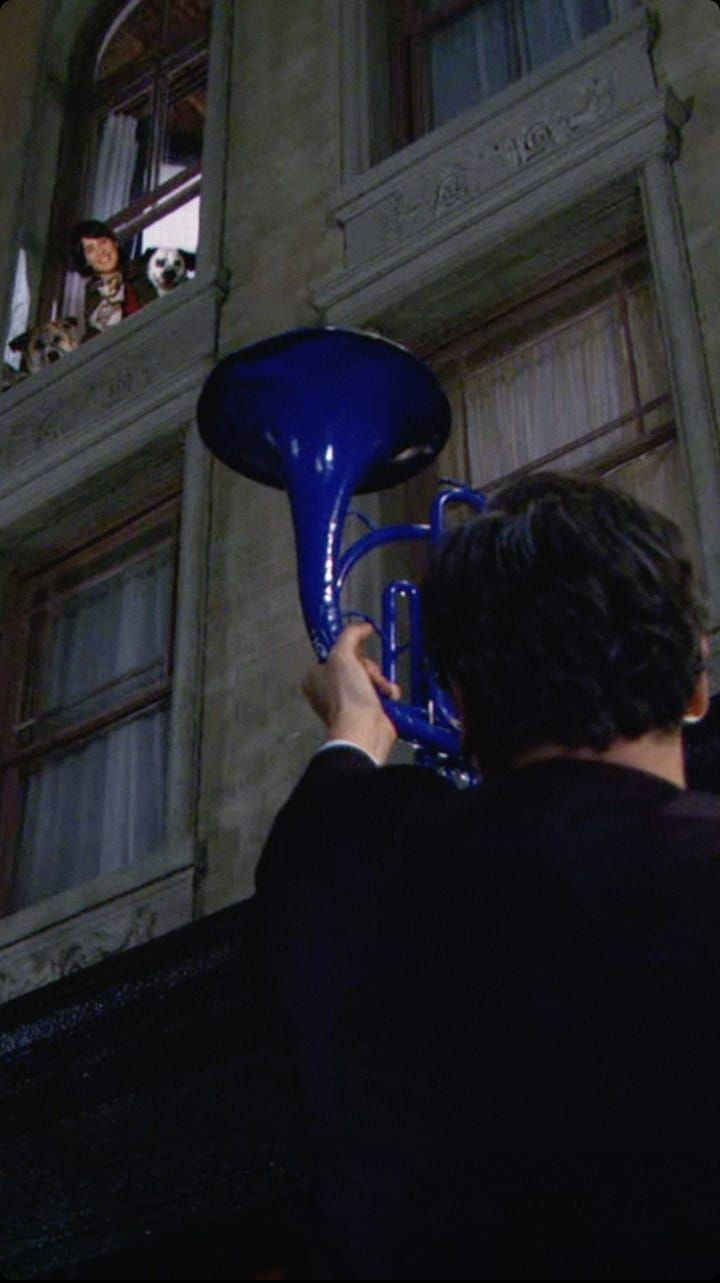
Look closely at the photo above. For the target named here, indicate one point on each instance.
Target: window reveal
(86, 748)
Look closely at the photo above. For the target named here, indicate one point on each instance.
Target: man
(502, 1004)
(114, 288)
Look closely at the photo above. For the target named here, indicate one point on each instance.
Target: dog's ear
(20, 342)
(147, 255)
(189, 259)
(69, 322)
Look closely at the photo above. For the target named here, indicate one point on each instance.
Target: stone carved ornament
(100, 391)
(404, 212)
(595, 102)
(61, 957)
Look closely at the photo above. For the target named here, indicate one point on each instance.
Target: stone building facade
(586, 183)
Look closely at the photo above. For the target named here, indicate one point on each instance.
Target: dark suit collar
(583, 778)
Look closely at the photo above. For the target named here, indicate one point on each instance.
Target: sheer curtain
(571, 380)
(101, 805)
(115, 166)
(547, 393)
(117, 156)
(19, 309)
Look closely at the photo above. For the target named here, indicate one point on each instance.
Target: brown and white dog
(43, 345)
(166, 268)
(108, 311)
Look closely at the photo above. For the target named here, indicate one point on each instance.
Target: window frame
(80, 138)
(17, 757)
(408, 33)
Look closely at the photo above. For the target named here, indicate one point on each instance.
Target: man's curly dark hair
(566, 614)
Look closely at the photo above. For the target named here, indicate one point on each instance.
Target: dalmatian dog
(43, 345)
(166, 268)
(110, 293)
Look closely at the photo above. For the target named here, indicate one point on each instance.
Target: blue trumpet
(325, 413)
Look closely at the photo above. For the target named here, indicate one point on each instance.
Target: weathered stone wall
(687, 56)
(283, 161)
(21, 28)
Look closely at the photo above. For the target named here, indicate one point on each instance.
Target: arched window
(133, 144)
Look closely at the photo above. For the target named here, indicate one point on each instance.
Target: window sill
(586, 122)
(79, 927)
(107, 399)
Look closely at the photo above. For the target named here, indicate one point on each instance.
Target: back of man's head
(566, 615)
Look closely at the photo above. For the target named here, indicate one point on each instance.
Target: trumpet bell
(338, 403)
(324, 414)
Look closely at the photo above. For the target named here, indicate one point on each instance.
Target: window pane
(489, 44)
(94, 809)
(659, 479)
(546, 30)
(106, 641)
(648, 350)
(592, 15)
(139, 31)
(178, 230)
(547, 393)
(187, 106)
(470, 58)
(549, 27)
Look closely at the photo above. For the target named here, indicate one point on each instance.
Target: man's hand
(344, 693)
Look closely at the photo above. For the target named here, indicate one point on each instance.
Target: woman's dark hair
(566, 614)
(93, 229)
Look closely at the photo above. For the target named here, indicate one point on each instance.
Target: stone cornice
(105, 399)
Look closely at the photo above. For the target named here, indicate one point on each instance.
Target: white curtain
(545, 394)
(117, 155)
(101, 805)
(570, 381)
(107, 631)
(110, 192)
(19, 308)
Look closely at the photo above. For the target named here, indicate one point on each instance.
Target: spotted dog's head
(166, 268)
(45, 344)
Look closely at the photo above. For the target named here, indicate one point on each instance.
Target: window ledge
(79, 927)
(585, 122)
(107, 399)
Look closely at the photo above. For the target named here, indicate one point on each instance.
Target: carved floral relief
(464, 172)
(31, 967)
(93, 398)
(596, 102)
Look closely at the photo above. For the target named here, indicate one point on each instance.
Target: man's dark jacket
(503, 1010)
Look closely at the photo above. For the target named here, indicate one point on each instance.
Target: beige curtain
(545, 393)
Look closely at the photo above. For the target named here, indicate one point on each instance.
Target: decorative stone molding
(595, 100)
(88, 937)
(123, 386)
(590, 119)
